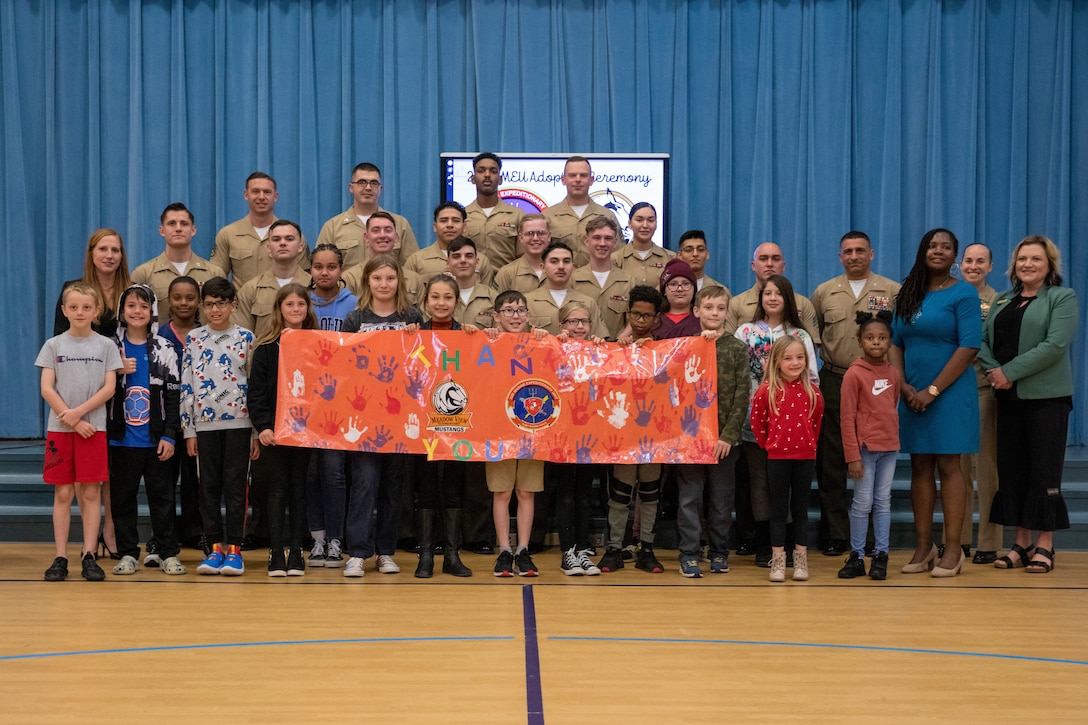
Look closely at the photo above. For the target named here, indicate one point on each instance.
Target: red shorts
(71, 458)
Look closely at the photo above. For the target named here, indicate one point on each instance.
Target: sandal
(1004, 562)
(171, 565)
(1040, 567)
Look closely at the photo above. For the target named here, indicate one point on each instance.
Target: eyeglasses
(583, 321)
(536, 234)
(508, 312)
(679, 284)
(364, 183)
(218, 305)
(641, 316)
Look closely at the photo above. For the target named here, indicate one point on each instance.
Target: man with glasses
(346, 229)
(492, 223)
(177, 227)
(544, 303)
(768, 261)
(600, 279)
(526, 273)
(569, 217)
(693, 250)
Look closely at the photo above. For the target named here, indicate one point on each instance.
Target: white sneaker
(587, 564)
(386, 565)
(354, 567)
(316, 559)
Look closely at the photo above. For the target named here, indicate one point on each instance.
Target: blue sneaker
(233, 566)
(213, 564)
(719, 564)
(689, 567)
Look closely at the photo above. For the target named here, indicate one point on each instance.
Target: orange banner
(455, 395)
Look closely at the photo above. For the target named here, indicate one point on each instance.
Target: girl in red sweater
(786, 413)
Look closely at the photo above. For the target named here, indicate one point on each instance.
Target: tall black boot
(424, 524)
(451, 559)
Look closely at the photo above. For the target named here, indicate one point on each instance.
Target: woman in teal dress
(935, 336)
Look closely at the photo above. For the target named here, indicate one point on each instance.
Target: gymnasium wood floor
(629, 647)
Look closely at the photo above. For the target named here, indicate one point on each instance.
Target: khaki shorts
(523, 475)
(633, 473)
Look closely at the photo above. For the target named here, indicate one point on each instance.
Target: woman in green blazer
(1025, 351)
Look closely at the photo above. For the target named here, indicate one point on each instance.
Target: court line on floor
(534, 696)
(271, 643)
(824, 645)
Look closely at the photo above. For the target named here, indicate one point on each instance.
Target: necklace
(941, 285)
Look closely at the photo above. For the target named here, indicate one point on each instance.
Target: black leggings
(439, 484)
(790, 483)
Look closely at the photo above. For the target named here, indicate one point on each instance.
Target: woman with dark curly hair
(1025, 352)
(935, 335)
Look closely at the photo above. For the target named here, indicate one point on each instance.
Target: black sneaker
(878, 569)
(523, 564)
(277, 564)
(836, 547)
(746, 548)
(92, 572)
(763, 558)
(855, 566)
(504, 565)
(611, 561)
(57, 571)
(648, 562)
(296, 565)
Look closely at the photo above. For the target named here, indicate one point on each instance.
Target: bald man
(766, 262)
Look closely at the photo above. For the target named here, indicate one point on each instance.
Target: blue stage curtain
(787, 121)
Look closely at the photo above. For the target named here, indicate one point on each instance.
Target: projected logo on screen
(523, 199)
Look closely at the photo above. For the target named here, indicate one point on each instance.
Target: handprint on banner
(689, 422)
(298, 384)
(326, 387)
(564, 375)
(400, 448)
(559, 447)
(691, 370)
(674, 394)
(330, 424)
(594, 391)
(359, 401)
(522, 348)
(639, 387)
(646, 449)
(411, 428)
(387, 366)
(324, 352)
(704, 394)
(526, 447)
(299, 417)
(579, 409)
(355, 430)
(362, 356)
(661, 370)
(382, 435)
(645, 412)
(580, 362)
(703, 450)
(414, 385)
(663, 423)
(391, 404)
(615, 409)
(613, 445)
(583, 453)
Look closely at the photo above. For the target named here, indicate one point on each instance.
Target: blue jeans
(328, 500)
(375, 483)
(873, 492)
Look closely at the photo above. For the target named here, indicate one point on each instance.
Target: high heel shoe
(104, 550)
(941, 573)
(924, 565)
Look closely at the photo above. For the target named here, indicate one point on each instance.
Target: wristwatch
(932, 390)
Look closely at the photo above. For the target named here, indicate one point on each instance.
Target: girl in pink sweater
(786, 413)
(870, 442)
